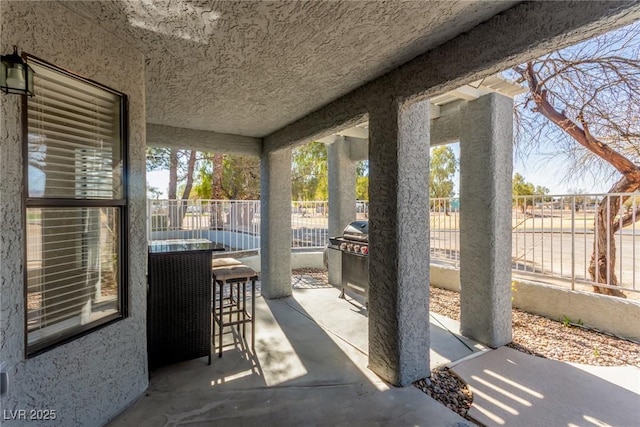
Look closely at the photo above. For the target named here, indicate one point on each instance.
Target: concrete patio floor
(309, 368)
(511, 388)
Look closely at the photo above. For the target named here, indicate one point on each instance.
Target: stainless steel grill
(354, 246)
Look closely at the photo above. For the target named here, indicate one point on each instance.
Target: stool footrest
(236, 322)
(241, 311)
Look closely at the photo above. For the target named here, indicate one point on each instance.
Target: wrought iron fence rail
(552, 235)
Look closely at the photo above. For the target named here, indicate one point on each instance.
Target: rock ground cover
(552, 339)
(532, 334)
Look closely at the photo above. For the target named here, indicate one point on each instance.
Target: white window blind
(74, 139)
(75, 207)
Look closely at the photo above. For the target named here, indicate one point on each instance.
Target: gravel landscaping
(534, 335)
(552, 339)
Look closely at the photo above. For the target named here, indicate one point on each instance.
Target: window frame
(122, 206)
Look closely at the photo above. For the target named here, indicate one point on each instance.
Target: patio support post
(275, 223)
(399, 241)
(486, 166)
(342, 199)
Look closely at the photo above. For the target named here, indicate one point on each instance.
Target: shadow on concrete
(305, 371)
(447, 344)
(516, 389)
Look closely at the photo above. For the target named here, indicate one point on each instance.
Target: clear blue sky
(160, 180)
(551, 173)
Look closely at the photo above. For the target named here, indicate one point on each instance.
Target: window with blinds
(75, 207)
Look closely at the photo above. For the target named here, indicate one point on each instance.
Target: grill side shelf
(335, 241)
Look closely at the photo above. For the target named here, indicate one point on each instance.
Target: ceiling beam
(355, 132)
(467, 93)
(202, 140)
(435, 111)
(527, 30)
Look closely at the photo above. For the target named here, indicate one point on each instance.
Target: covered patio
(310, 367)
(258, 78)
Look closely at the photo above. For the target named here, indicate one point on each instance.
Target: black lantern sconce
(15, 75)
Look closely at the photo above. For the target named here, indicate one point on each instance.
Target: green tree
(362, 180)
(443, 165)
(309, 174)
(153, 192)
(216, 216)
(520, 188)
(542, 191)
(204, 179)
(238, 176)
(309, 178)
(241, 177)
(181, 165)
(157, 159)
(210, 187)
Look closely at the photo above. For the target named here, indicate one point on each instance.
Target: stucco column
(486, 165)
(342, 199)
(399, 241)
(275, 224)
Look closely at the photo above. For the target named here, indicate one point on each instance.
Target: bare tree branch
(626, 220)
(585, 102)
(580, 135)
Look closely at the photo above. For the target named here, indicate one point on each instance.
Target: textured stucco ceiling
(251, 67)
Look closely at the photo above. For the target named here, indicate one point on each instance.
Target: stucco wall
(617, 316)
(528, 30)
(90, 379)
(445, 277)
(202, 140)
(275, 223)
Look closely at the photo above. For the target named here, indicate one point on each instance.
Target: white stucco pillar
(399, 241)
(275, 224)
(486, 165)
(342, 199)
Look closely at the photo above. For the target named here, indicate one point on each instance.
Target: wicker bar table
(179, 301)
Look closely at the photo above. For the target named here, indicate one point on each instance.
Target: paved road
(551, 253)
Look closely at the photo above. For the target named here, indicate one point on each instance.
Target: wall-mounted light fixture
(15, 75)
